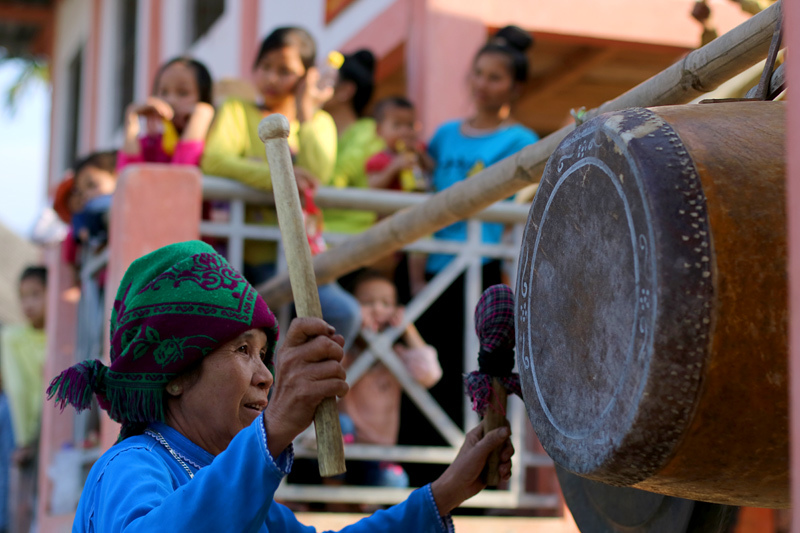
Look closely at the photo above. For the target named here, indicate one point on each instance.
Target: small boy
(372, 407)
(402, 165)
(95, 182)
(23, 353)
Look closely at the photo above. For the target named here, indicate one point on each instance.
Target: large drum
(652, 303)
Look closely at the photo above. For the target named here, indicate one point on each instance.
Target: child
(95, 182)
(373, 403)
(178, 116)
(288, 83)
(402, 164)
(358, 140)
(23, 353)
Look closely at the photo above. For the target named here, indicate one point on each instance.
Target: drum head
(614, 296)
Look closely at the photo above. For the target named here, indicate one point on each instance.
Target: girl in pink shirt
(177, 117)
(373, 403)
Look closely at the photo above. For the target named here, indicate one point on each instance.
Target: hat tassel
(76, 384)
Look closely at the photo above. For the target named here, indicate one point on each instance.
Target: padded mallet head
(494, 325)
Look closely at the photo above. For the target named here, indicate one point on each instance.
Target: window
(202, 15)
(126, 55)
(74, 76)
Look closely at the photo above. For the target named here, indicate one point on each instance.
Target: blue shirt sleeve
(526, 137)
(418, 513)
(435, 146)
(135, 490)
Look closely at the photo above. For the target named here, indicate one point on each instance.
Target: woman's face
(229, 391)
(33, 299)
(378, 300)
(92, 182)
(491, 82)
(177, 86)
(277, 74)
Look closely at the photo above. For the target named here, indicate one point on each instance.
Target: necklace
(162, 441)
(471, 131)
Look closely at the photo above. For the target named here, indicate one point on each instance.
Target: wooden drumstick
(274, 132)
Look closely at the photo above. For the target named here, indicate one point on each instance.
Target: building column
(792, 39)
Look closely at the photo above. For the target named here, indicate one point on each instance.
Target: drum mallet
(488, 387)
(274, 132)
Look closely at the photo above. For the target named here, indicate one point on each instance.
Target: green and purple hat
(174, 306)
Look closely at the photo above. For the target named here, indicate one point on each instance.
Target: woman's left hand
(462, 479)
(310, 98)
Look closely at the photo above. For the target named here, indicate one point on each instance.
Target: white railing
(89, 343)
(468, 260)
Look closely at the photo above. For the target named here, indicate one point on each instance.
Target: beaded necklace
(162, 441)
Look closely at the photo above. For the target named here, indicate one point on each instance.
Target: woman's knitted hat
(174, 306)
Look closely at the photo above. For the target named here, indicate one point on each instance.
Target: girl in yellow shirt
(287, 83)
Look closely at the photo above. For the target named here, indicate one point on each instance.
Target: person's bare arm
(411, 336)
(309, 97)
(383, 179)
(199, 123)
(152, 109)
(416, 272)
(426, 162)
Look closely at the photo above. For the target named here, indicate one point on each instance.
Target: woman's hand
(154, 110)
(152, 107)
(305, 180)
(307, 370)
(23, 456)
(397, 317)
(309, 97)
(462, 479)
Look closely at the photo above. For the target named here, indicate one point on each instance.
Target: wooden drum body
(652, 303)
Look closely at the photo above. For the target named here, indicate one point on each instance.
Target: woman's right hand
(307, 370)
(154, 110)
(152, 107)
(305, 180)
(403, 161)
(309, 97)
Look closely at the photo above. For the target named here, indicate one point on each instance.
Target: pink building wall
(441, 36)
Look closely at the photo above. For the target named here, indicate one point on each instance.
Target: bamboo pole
(274, 131)
(699, 72)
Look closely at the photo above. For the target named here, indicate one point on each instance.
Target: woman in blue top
(203, 447)
(464, 147)
(460, 149)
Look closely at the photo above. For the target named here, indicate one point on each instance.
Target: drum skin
(652, 303)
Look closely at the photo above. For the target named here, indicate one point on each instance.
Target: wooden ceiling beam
(573, 68)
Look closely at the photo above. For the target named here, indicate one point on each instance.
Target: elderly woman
(201, 447)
